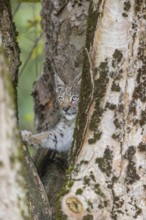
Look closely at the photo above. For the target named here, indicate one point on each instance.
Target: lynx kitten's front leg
(39, 140)
(59, 138)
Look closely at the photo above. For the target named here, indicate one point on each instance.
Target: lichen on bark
(113, 143)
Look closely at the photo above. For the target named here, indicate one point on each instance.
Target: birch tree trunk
(13, 203)
(13, 200)
(107, 179)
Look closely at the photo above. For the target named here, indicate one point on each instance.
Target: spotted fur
(60, 137)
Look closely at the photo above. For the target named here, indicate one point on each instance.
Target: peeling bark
(108, 177)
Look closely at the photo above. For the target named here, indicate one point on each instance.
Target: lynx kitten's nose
(66, 108)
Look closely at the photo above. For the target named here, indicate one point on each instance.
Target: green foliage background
(27, 20)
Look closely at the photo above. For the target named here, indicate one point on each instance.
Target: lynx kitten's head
(68, 97)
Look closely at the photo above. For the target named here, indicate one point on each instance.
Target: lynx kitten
(60, 137)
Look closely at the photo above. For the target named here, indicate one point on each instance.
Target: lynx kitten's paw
(26, 136)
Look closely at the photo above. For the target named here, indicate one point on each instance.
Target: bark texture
(37, 196)
(13, 204)
(108, 178)
(9, 34)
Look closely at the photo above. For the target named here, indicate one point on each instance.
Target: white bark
(109, 178)
(12, 193)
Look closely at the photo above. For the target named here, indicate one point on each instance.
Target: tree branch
(38, 198)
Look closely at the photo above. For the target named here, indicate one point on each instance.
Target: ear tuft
(59, 83)
(77, 80)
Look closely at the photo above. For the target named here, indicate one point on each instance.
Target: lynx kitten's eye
(75, 98)
(61, 99)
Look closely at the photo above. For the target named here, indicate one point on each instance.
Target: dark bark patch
(84, 162)
(98, 190)
(117, 123)
(92, 176)
(127, 6)
(140, 91)
(1, 164)
(97, 136)
(115, 87)
(116, 136)
(105, 162)
(110, 106)
(132, 175)
(99, 93)
(121, 108)
(137, 5)
(118, 55)
(142, 147)
(138, 211)
(142, 120)
(79, 191)
(124, 14)
(86, 181)
(132, 107)
(88, 217)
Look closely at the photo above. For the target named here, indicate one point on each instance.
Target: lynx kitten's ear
(77, 80)
(59, 83)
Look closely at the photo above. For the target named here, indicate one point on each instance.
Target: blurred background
(26, 16)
